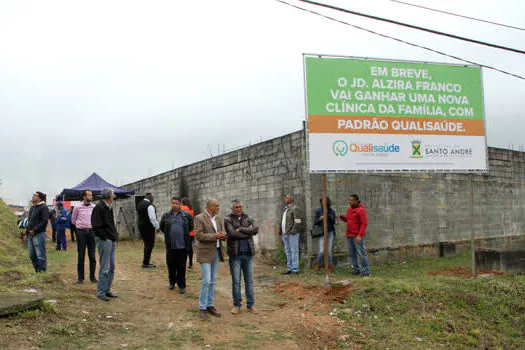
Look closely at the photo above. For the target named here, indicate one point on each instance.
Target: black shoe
(190, 267)
(183, 291)
(171, 287)
(356, 273)
(204, 314)
(295, 272)
(213, 311)
(94, 280)
(80, 282)
(111, 295)
(149, 266)
(364, 275)
(103, 297)
(286, 272)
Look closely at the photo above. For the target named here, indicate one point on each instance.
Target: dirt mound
(301, 291)
(465, 272)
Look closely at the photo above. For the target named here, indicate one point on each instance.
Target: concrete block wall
(420, 209)
(403, 209)
(259, 175)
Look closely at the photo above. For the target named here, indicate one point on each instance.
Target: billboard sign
(395, 116)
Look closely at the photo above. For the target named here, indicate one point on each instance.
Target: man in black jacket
(36, 232)
(240, 230)
(148, 225)
(106, 236)
(176, 225)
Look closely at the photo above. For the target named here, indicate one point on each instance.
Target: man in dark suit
(106, 236)
(148, 225)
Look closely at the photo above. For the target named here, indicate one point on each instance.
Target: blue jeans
(356, 250)
(36, 245)
(106, 250)
(320, 256)
(209, 275)
(244, 264)
(291, 248)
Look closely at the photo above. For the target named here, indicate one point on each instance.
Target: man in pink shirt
(81, 218)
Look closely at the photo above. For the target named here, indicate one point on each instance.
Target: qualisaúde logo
(340, 148)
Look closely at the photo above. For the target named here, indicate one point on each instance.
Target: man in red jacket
(356, 223)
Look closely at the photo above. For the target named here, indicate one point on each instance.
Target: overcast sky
(132, 88)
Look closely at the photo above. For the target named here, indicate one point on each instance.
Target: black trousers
(86, 239)
(176, 261)
(148, 236)
(72, 231)
(190, 251)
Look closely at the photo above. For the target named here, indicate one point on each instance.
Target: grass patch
(13, 255)
(403, 306)
(187, 335)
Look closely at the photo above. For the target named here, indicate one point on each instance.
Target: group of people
(356, 220)
(95, 227)
(60, 220)
(180, 227)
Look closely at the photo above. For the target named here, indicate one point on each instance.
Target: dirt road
(149, 316)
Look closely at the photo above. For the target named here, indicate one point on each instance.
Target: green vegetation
(13, 255)
(404, 306)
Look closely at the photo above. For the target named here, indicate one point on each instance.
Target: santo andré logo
(340, 148)
(416, 149)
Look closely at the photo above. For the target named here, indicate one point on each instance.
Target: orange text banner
(332, 124)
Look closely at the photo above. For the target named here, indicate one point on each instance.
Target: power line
(458, 15)
(402, 41)
(414, 27)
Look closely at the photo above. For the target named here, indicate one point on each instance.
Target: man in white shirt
(290, 231)
(148, 225)
(209, 232)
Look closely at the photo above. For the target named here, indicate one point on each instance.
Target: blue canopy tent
(95, 184)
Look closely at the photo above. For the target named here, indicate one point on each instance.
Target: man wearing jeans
(356, 223)
(106, 236)
(290, 230)
(209, 232)
(36, 232)
(81, 218)
(240, 230)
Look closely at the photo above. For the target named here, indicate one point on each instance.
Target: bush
(279, 256)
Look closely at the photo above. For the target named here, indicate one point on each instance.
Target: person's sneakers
(111, 295)
(236, 310)
(286, 272)
(80, 282)
(94, 280)
(183, 291)
(171, 287)
(203, 314)
(103, 297)
(213, 311)
(295, 272)
(149, 266)
(253, 310)
(356, 273)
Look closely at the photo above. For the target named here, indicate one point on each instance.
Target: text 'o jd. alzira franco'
(420, 93)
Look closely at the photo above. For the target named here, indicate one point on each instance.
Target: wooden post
(472, 225)
(325, 224)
